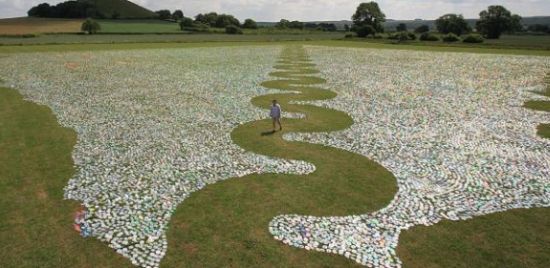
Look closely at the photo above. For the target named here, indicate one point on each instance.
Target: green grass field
(162, 38)
(25, 26)
(138, 26)
(521, 45)
(35, 164)
(542, 105)
(233, 40)
(516, 238)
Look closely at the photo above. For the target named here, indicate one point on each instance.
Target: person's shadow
(268, 133)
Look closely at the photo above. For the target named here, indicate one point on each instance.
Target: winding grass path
(226, 224)
(542, 105)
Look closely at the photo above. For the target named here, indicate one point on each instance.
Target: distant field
(16, 26)
(139, 26)
(19, 26)
(160, 38)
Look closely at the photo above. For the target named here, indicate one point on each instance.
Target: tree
(115, 15)
(422, 29)
(282, 24)
(369, 14)
(43, 10)
(90, 26)
(364, 31)
(233, 29)
(401, 27)
(69, 9)
(186, 23)
(296, 25)
(346, 27)
(452, 23)
(177, 15)
(330, 27)
(164, 14)
(224, 20)
(516, 24)
(207, 18)
(250, 24)
(496, 20)
(311, 25)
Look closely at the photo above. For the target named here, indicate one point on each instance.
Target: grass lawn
(161, 38)
(35, 165)
(138, 26)
(542, 105)
(208, 40)
(515, 238)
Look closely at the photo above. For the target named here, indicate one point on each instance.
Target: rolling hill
(125, 9)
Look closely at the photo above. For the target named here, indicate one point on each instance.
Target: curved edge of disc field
(226, 223)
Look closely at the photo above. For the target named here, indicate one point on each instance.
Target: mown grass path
(226, 224)
(542, 105)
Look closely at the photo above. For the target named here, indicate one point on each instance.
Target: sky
(313, 10)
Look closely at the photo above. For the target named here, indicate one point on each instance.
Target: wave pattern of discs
(452, 129)
(153, 126)
(235, 231)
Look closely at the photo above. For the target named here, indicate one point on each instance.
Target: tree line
(367, 20)
(69, 10)
(492, 23)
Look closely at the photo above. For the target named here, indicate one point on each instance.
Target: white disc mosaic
(153, 126)
(449, 126)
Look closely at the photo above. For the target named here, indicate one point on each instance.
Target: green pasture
(544, 106)
(162, 38)
(133, 42)
(168, 32)
(138, 26)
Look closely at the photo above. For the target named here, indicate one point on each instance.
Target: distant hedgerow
(428, 37)
(473, 38)
(232, 29)
(450, 37)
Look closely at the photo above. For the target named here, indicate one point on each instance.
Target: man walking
(276, 115)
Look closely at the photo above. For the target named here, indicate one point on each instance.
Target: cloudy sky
(310, 10)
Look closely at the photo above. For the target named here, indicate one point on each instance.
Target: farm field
(43, 27)
(536, 45)
(9, 49)
(384, 147)
(162, 38)
(138, 26)
(21, 26)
